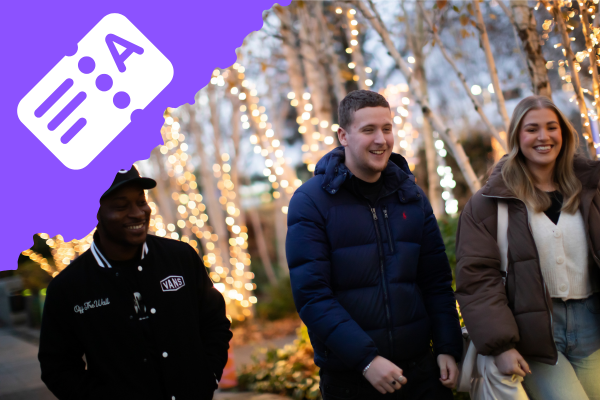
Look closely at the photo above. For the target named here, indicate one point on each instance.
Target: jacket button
(131, 317)
(165, 355)
(563, 287)
(557, 233)
(145, 360)
(560, 259)
(140, 268)
(403, 199)
(153, 310)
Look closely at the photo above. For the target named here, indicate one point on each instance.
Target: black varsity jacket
(88, 310)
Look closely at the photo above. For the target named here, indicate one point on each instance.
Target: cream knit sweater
(563, 252)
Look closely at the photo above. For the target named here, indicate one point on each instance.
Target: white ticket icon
(86, 100)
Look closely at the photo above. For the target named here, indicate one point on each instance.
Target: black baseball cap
(132, 176)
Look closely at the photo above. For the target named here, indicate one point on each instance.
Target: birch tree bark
(572, 61)
(314, 70)
(161, 191)
(262, 245)
(491, 63)
(331, 58)
(445, 132)
(297, 83)
(213, 207)
(476, 104)
(417, 41)
(524, 22)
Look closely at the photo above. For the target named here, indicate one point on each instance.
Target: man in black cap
(141, 308)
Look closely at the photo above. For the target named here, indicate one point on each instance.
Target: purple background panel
(39, 194)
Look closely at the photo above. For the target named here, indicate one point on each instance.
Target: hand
(448, 370)
(382, 373)
(511, 362)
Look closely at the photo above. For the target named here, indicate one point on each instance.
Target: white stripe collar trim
(103, 262)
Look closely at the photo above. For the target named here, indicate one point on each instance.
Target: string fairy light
(267, 142)
(233, 282)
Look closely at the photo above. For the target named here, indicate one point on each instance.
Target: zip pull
(374, 214)
(385, 212)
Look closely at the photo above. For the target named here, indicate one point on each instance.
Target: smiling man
(142, 310)
(369, 271)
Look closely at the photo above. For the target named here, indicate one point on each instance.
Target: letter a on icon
(120, 58)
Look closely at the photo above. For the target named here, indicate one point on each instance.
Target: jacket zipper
(387, 228)
(540, 269)
(382, 271)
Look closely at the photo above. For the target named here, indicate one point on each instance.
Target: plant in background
(278, 301)
(289, 371)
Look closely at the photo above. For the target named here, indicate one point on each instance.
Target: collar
(103, 262)
(336, 173)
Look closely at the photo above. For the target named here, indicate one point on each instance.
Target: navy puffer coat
(369, 280)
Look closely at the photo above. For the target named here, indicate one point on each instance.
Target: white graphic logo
(91, 304)
(87, 99)
(172, 283)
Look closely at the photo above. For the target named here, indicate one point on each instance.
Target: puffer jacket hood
(519, 315)
(335, 173)
(369, 279)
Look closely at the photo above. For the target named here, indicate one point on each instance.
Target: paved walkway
(20, 370)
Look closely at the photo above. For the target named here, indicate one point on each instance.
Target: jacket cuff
(500, 350)
(363, 364)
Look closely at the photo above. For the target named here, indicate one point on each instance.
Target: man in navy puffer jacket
(369, 272)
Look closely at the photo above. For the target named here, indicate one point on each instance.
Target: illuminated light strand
(265, 140)
(354, 50)
(575, 68)
(189, 208)
(407, 134)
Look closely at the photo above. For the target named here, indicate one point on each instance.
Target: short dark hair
(356, 100)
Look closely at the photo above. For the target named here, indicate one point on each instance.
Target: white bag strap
(502, 237)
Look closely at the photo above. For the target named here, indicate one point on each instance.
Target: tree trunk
(566, 42)
(524, 22)
(417, 40)
(262, 246)
(294, 64)
(331, 58)
(357, 56)
(314, 70)
(211, 197)
(478, 107)
(444, 131)
(280, 235)
(162, 190)
(491, 63)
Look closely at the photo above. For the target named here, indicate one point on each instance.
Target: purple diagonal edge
(74, 130)
(53, 98)
(65, 112)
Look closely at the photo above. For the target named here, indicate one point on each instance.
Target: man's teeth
(377, 152)
(543, 148)
(135, 227)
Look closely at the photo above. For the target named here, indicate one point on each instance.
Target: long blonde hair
(517, 176)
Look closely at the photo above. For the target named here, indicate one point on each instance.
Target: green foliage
(278, 301)
(290, 371)
(448, 226)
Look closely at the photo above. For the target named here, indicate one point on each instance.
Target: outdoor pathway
(20, 370)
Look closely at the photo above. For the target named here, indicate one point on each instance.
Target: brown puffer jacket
(500, 318)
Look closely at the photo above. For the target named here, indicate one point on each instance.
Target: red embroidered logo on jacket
(172, 283)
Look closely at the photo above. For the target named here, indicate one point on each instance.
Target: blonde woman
(544, 325)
